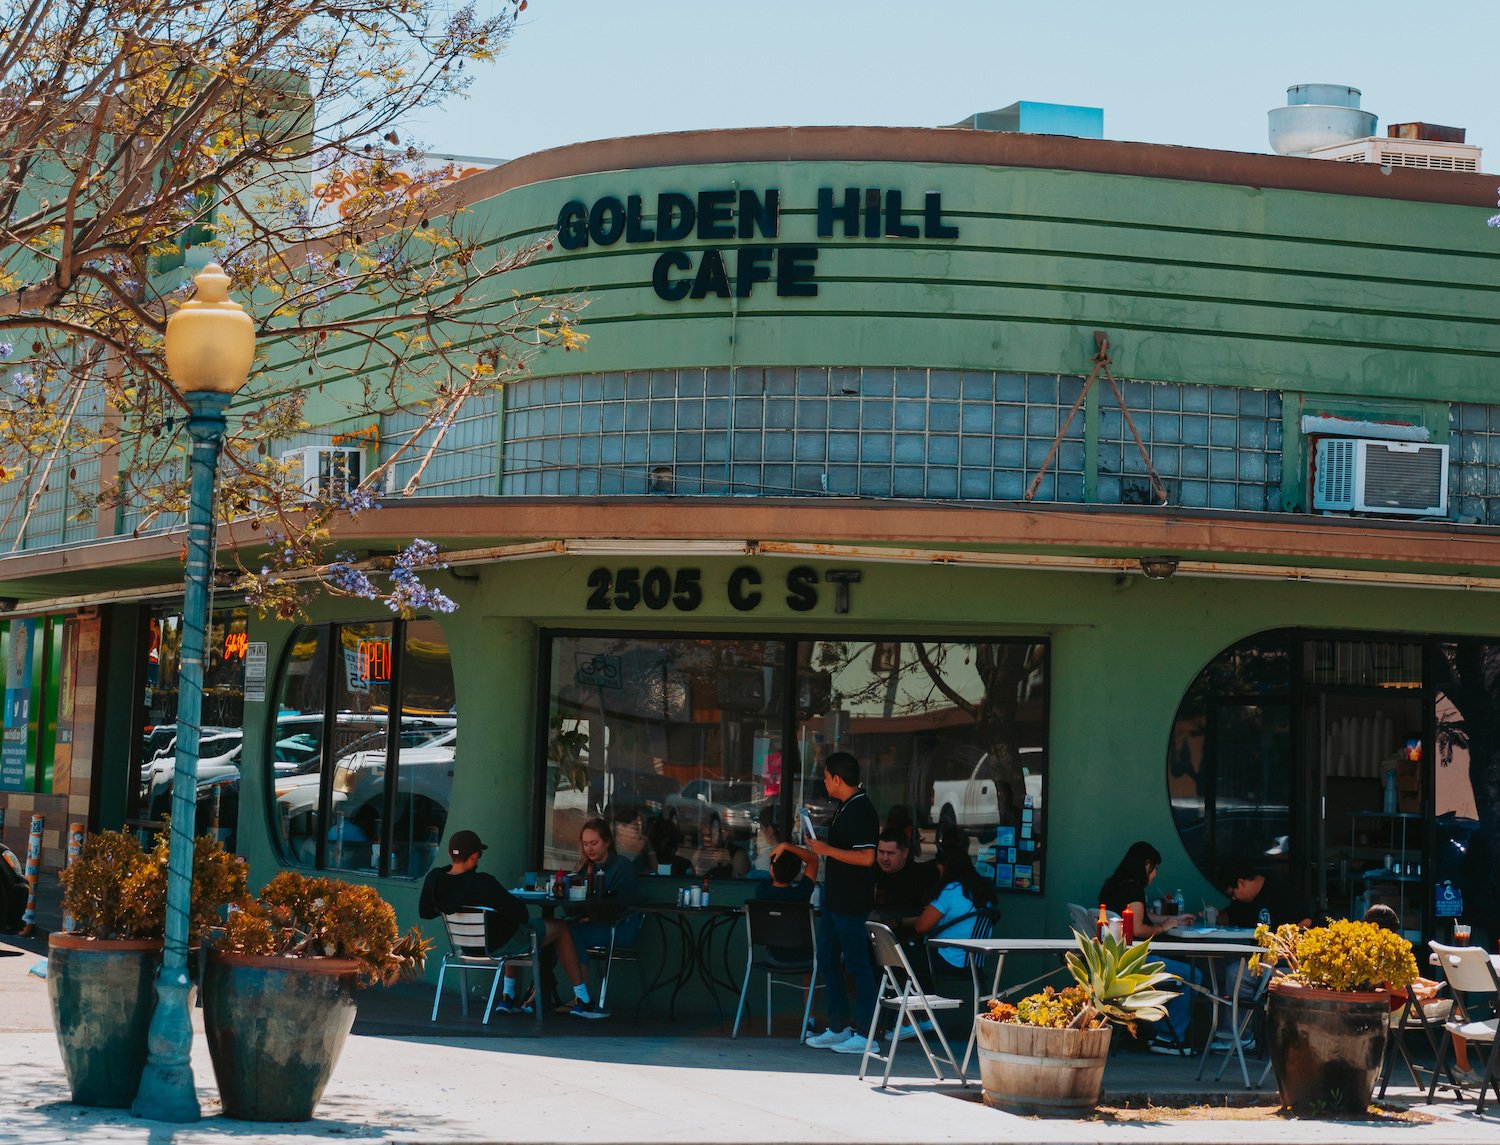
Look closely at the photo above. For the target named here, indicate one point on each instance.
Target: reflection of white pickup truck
(975, 802)
(966, 802)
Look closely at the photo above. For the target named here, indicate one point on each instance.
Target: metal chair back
(773, 923)
(468, 951)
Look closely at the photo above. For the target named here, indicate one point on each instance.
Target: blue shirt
(953, 904)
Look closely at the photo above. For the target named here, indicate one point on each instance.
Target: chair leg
(745, 989)
(1489, 1082)
(536, 981)
(903, 1015)
(463, 991)
(768, 1003)
(812, 985)
(438, 997)
(609, 962)
(489, 1005)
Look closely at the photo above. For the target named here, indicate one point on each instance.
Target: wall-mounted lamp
(1159, 568)
(661, 480)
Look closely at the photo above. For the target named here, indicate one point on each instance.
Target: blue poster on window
(14, 753)
(1449, 900)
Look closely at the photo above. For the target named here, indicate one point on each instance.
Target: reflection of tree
(923, 683)
(1468, 673)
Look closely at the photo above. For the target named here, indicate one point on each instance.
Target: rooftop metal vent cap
(1318, 115)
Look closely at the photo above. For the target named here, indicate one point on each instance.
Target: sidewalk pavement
(401, 1079)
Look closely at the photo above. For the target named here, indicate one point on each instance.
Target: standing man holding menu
(848, 854)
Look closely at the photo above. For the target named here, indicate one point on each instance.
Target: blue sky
(1201, 73)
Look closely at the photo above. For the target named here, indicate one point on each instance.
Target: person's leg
(830, 958)
(855, 947)
(1179, 1010)
(552, 931)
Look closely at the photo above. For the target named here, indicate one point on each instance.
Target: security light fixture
(1159, 568)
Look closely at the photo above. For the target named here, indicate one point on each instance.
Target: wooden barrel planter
(275, 1028)
(103, 993)
(1326, 1048)
(1032, 1069)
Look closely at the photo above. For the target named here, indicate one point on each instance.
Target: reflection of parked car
(713, 810)
(428, 749)
(218, 758)
(646, 791)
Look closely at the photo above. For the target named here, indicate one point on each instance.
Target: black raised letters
(573, 226)
(757, 212)
(635, 230)
(933, 226)
(795, 270)
(607, 221)
(739, 580)
(801, 593)
(894, 227)
(716, 214)
(666, 289)
(712, 277)
(751, 266)
(828, 214)
(675, 217)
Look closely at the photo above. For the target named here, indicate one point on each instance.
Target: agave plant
(1121, 986)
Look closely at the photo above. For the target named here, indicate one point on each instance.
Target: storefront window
(219, 747)
(702, 751)
(1466, 789)
(339, 806)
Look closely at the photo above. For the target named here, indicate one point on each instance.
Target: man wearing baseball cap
(462, 885)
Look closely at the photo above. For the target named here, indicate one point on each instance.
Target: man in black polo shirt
(1255, 898)
(848, 853)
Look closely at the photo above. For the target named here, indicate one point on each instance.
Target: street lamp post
(210, 345)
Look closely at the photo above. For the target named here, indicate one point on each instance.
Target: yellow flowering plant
(1343, 955)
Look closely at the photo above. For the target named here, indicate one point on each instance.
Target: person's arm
(810, 859)
(426, 903)
(854, 856)
(928, 919)
(811, 866)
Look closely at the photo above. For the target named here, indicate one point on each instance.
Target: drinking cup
(1210, 916)
(1461, 934)
(1116, 930)
(529, 880)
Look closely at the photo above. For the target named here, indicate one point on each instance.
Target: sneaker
(512, 1006)
(1171, 1048)
(829, 1037)
(1224, 1044)
(925, 1025)
(853, 1044)
(587, 1010)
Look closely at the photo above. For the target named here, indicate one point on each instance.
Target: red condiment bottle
(1127, 926)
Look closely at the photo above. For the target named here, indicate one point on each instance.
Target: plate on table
(1224, 933)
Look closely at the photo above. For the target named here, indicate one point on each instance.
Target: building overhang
(1433, 554)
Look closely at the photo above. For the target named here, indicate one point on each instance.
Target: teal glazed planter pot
(1326, 1047)
(103, 993)
(275, 1029)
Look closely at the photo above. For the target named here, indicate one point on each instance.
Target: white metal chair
(901, 992)
(1468, 971)
(787, 925)
(468, 952)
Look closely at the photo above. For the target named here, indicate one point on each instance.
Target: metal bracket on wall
(1101, 364)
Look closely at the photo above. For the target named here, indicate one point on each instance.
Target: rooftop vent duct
(1318, 115)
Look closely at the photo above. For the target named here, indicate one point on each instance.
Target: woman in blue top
(961, 891)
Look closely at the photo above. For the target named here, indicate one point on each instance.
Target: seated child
(789, 884)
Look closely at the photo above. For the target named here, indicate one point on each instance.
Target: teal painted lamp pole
(210, 345)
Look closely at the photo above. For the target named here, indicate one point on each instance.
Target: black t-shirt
(907, 891)
(848, 889)
(1276, 905)
(1118, 893)
(444, 893)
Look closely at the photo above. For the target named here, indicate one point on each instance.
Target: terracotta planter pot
(275, 1029)
(1326, 1047)
(103, 993)
(1030, 1069)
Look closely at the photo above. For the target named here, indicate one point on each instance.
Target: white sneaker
(925, 1025)
(829, 1037)
(853, 1044)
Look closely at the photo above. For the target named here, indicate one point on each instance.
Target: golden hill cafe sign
(728, 214)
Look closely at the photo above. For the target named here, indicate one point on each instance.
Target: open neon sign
(375, 660)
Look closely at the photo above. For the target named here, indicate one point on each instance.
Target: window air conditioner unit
(1398, 478)
(321, 469)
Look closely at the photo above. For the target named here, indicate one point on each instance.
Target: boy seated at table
(790, 883)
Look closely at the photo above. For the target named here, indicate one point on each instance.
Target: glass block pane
(781, 381)
(690, 414)
(1008, 486)
(776, 480)
(589, 419)
(875, 448)
(843, 413)
(663, 383)
(551, 419)
(1251, 497)
(1222, 496)
(1166, 462)
(1041, 389)
(1194, 429)
(843, 447)
(663, 415)
(1252, 403)
(876, 414)
(842, 380)
(715, 448)
(635, 447)
(977, 418)
(1041, 421)
(716, 413)
(637, 415)
(588, 450)
(1010, 420)
(812, 413)
(974, 452)
(612, 450)
(1252, 433)
(1070, 456)
(568, 451)
(811, 447)
(614, 387)
(612, 417)
(749, 382)
(877, 382)
(1163, 427)
(1194, 494)
(911, 415)
(1252, 466)
(942, 417)
(1195, 399)
(778, 446)
(812, 382)
(1009, 453)
(874, 482)
(1221, 431)
(716, 382)
(1223, 399)
(552, 390)
(1109, 490)
(1221, 466)
(974, 484)
(1166, 397)
(911, 447)
(1010, 388)
(979, 386)
(688, 447)
(907, 482)
(911, 383)
(690, 383)
(779, 413)
(1070, 488)
(843, 480)
(942, 483)
(942, 450)
(571, 389)
(747, 446)
(946, 385)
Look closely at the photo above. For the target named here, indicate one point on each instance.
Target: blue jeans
(844, 945)
(1179, 1009)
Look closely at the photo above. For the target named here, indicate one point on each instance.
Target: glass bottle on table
(1127, 926)
(1101, 924)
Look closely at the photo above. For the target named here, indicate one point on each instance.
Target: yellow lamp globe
(210, 340)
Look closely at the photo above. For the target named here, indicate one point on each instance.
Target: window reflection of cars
(428, 750)
(714, 810)
(218, 758)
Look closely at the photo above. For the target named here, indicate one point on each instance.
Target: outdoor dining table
(696, 928)
(1206, 952)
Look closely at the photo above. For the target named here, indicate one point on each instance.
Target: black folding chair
(786, 925)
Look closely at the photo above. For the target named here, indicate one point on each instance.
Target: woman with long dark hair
(962, 891)
(1127, 888)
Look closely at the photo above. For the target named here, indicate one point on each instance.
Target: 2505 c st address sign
(745, 589)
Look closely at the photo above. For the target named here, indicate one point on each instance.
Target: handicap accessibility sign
(1450, 900)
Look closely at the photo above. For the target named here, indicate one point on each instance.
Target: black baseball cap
(463, 844)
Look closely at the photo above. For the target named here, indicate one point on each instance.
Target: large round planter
(275, 1028)
(1326, 1047)
(1031, 1069)
(103, 992)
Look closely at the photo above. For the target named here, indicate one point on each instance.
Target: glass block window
(807, 431)
(1474, 462)
(464, 465)
(1213, 447)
